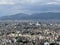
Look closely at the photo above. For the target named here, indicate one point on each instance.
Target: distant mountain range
(36, 16)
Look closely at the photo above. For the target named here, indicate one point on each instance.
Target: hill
(36, 16)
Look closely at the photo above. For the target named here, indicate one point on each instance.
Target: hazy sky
(9, 7)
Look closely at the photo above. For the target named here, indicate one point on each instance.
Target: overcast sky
(9, 7)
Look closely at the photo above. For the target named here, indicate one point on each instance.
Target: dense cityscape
(29, 22)
(29, 33)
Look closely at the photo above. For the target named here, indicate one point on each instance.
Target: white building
(37, 24)
(46, 43)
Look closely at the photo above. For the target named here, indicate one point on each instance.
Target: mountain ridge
(35, 16)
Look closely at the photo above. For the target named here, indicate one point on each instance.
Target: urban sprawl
(29, 33)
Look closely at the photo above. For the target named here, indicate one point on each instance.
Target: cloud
(39, 2)
(53, 3)
(30, 2)
(28, 6)
(6, 2)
